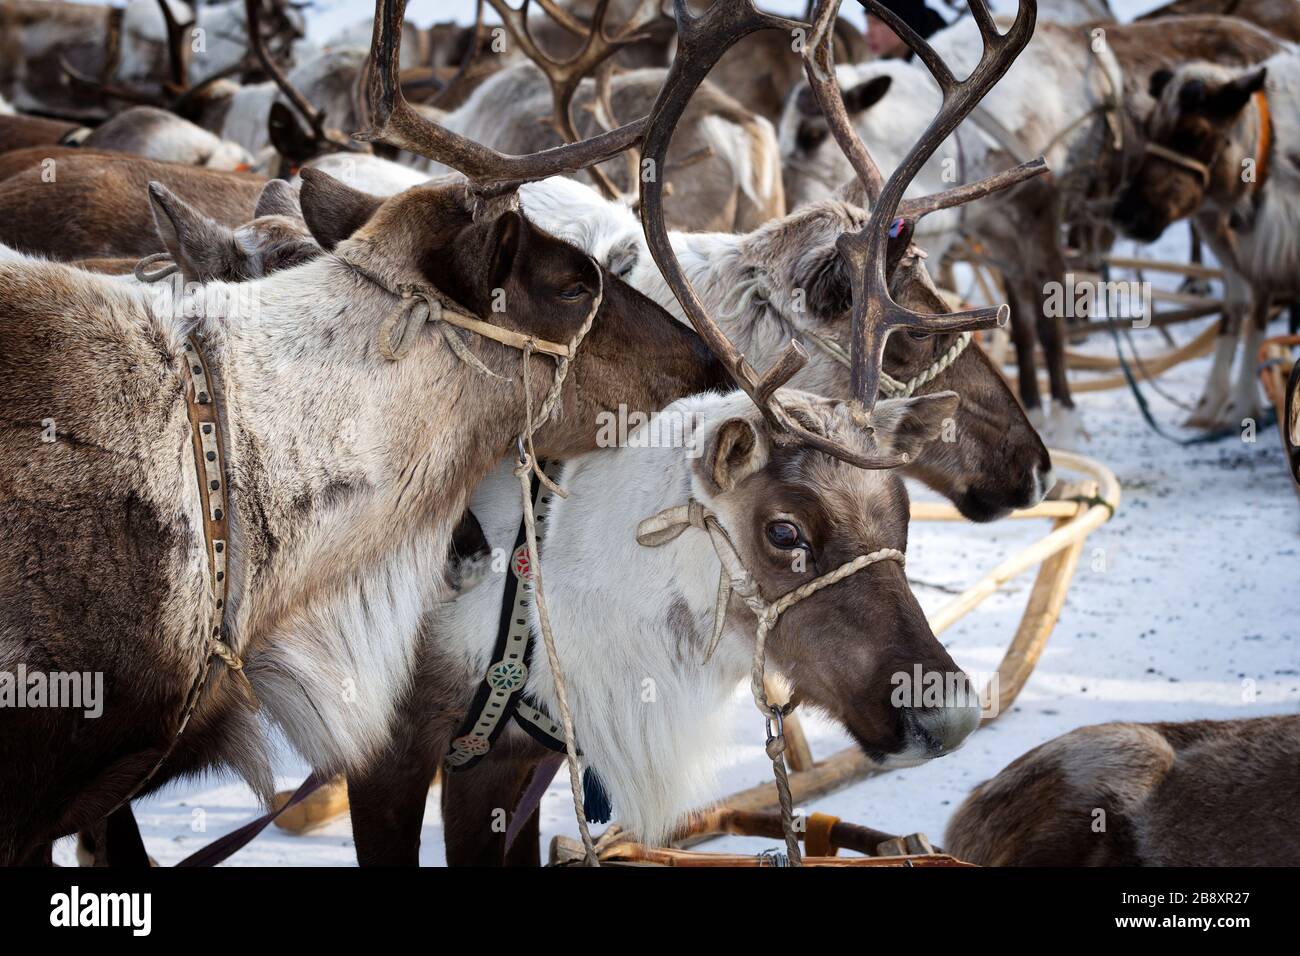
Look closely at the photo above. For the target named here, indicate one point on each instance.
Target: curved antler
(702, 40)
(875, 313)
(395, 122)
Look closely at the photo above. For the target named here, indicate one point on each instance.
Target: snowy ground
(1184, 606)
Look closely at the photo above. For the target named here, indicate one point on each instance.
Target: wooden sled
(1279, 374)
(822, 838)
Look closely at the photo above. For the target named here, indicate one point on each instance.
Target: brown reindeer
(1221, 148)
(72, 204)
(1279, 17)
(1201, 793)
(19, 132)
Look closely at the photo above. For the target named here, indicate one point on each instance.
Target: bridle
(1263, 144)
(735, 577)
(755, 289)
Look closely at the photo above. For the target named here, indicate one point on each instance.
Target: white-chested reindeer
(1224, 147)
(634, 622)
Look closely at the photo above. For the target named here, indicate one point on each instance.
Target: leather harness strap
(209, 465)
(500, 696)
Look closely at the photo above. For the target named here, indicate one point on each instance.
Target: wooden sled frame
(1276, 359)
(1085, 506)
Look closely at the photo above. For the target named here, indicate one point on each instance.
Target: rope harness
(1263, 146)
(755, 289)
(666, 526)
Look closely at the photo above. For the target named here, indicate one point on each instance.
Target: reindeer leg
(387, 805)
(476, 809)
(1244, 400)
(1237, 297)
(1024, 338)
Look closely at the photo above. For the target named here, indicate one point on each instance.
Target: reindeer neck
(338, 458)
(632, 624)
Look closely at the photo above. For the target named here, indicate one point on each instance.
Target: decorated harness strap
(500, 696)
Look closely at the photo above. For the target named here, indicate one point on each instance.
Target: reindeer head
(795, 514)
(1199, 137)
(494, 263)
(205, 250)
(989, 460)
(813, 165)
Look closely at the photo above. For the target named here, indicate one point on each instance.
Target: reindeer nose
(939, 730)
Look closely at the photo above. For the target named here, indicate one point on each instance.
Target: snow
(1184, 606)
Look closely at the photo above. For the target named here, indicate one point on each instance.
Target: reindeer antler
(875, 313)
(314, 118)
(395, 122)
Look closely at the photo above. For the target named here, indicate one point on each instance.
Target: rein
(666, 526)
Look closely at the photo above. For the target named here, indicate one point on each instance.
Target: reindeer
(74, 204)
(388, 799)
(1220, 147)
(786, 277)
(165, 137)
(19, 132)
(1279, 17)
(1200, 793)
(132, 53)
(728, 161)
(333, 537)
(782, 507)
(1060, 98)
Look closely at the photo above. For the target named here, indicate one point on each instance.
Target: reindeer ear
(906, 425)
(734, 453)
(287, 135)
(1229, 99)
(277, 198)
(825, 285)
(202, 248)
(867, 94)
(1159, 80)
(333, 211)
(505, 246)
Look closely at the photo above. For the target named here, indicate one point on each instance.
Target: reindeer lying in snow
(786, 279)
(151, 133)
(1202, 793)
(1225, 150)
(628, 617)
(1060, 98)
(96, 204)
(337, 544)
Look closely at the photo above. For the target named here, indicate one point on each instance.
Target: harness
(754, 289)
(500, 697)
(209, 467)
(1263, 149)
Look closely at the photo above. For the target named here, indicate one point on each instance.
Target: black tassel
(595, 798)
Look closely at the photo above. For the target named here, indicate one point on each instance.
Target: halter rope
(668, 525)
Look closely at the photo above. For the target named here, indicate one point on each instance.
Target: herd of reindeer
(296, 340)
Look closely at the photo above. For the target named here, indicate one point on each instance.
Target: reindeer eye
(784, 535)
(573, 294)
(918, 335)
